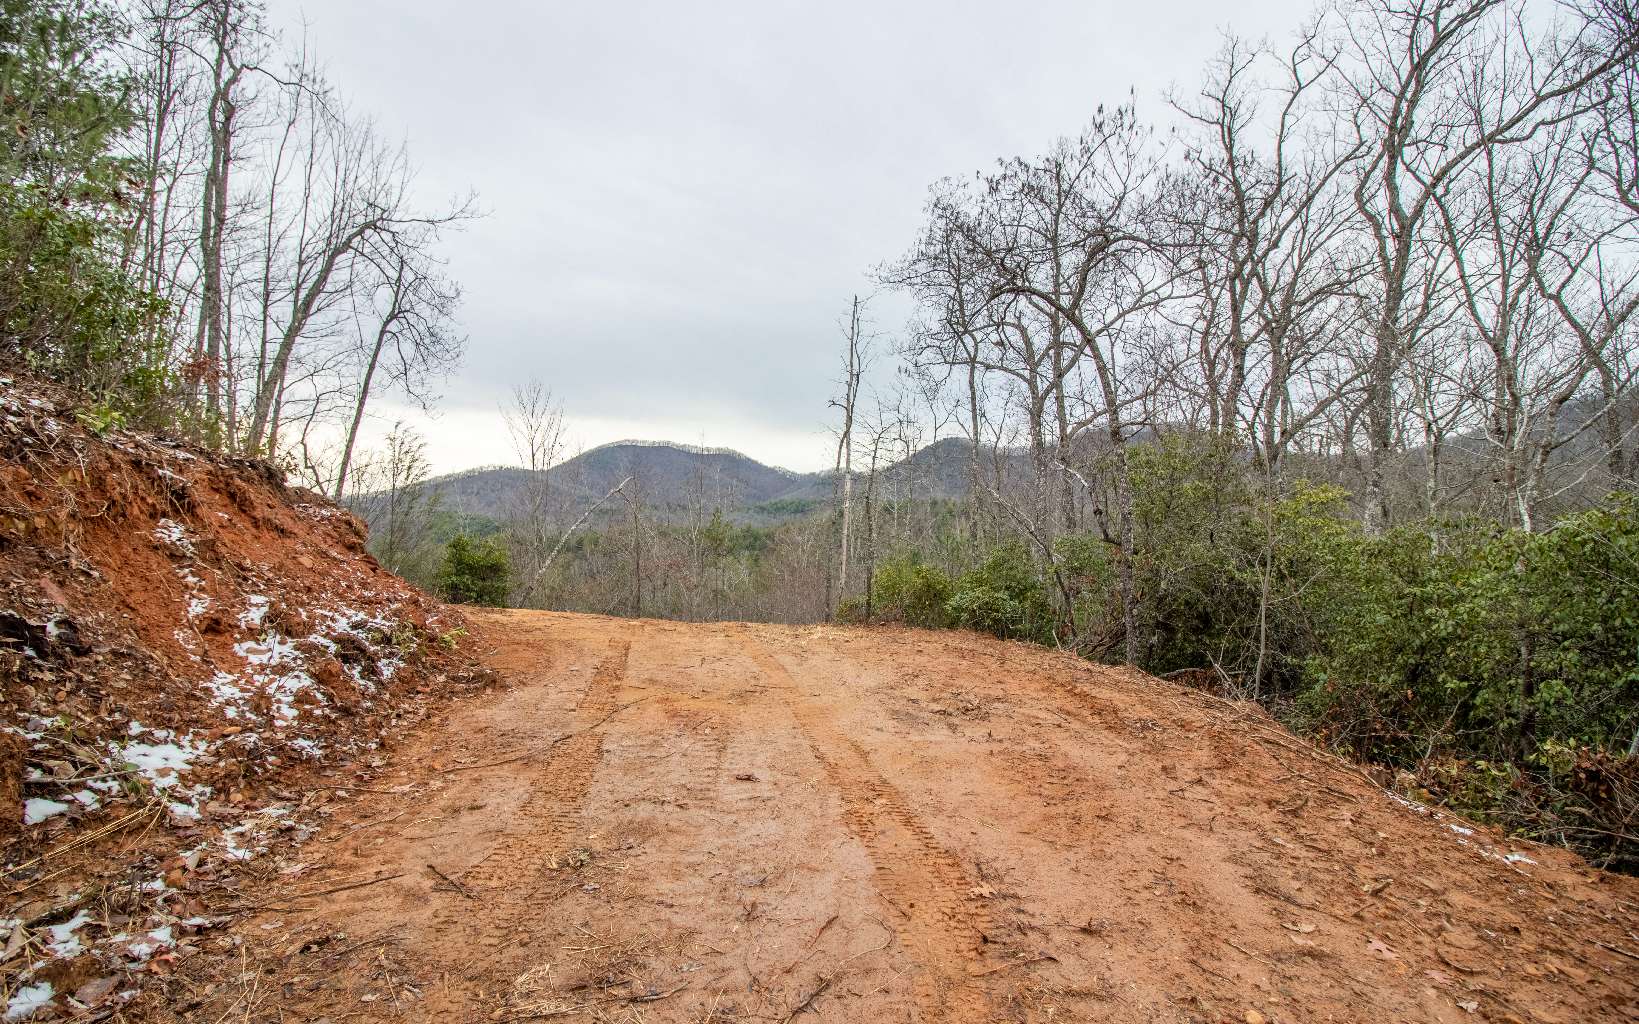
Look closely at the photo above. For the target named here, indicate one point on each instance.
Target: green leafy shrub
(1495, 644)
(909, 591)
(1006, 595)
(474, 572)
(851, 610)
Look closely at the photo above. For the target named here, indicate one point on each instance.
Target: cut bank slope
(185, 643)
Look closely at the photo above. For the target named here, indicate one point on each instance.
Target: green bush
(1497, 643)
(474, 573)
(1006, 595)
(906, 590)
(1499, 668)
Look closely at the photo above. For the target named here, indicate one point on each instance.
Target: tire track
(939, 921)
(552, 811)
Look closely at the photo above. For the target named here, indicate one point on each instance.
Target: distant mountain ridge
(673, 478)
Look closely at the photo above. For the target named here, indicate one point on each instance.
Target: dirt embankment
(185, 644)
(710, 823)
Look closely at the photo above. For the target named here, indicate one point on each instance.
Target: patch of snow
(1459, 829)
(63, 942)
(149, 944)
(169, 531)
(223, 688)
(159, 763)
(272, 649)
(28, 1000)
(230, 842)
(1411, 805)
(1517, 858)
(38, 809)
(255, 611)
(283, 691)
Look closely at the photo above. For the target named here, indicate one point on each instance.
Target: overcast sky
(681, 197)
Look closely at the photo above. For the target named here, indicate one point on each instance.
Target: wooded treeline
(198, 231)
(1396, 252)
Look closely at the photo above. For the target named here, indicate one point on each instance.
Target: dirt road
(668, 822)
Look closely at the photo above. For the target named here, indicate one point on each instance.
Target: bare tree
(853, 369)
(1413, 64)
(406, 331)
(395, 498)
(534, 421)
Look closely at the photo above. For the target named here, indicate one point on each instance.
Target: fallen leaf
(92, 993)
(1253, 1017)
(1305, 928)
(981, 892)
(1379, 950)
(19, 935)
(1439, 977)
(1467, 1005)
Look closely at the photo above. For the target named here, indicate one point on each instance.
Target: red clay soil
(184, 640)
(692, 823)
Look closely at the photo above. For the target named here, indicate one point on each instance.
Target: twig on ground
(363, 789)
(349, 885)
(1616, 949)
(355, 947)
(1248, 952)
(807, 1002)
(457, 886)
(92, 836)
(1013, 964)
(1373, 893)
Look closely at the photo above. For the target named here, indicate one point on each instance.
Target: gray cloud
(683, 196)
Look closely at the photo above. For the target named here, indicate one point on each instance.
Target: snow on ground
(1463, 833)
(39, 809)
(171, 533)
(29, 1000)
(268, 694)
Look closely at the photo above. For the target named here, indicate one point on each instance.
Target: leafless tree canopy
(298, 267)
